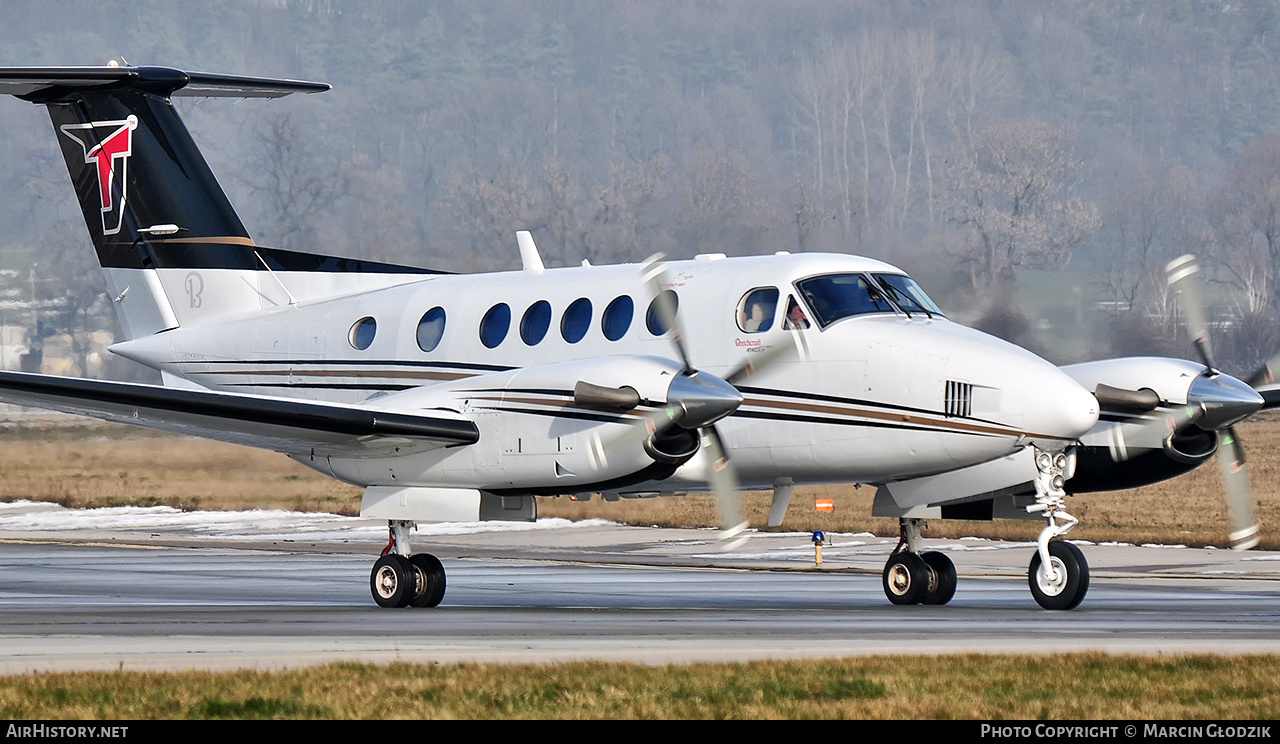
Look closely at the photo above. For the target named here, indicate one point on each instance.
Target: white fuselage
(872, 398)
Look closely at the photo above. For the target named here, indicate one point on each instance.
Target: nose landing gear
(1058, 574)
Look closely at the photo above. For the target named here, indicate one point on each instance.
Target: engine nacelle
(1098, 469)
(585, 426)
(1127, 448)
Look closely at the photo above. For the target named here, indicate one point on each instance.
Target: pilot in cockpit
(796, 320)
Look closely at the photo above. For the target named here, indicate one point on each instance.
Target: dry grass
(1064, 687)
(97, 466)
(108, 466)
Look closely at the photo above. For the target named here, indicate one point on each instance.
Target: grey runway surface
(143, 597)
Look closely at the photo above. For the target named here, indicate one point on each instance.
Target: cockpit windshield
(836, 296)
(907, 294)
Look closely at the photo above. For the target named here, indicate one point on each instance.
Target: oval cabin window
(362, 333)
(495, 324)
(536, 321)
(757, 309)
(431, 329)
(576, 320)
(617, 318)
(653, 319)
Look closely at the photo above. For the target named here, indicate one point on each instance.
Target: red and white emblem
(110, 157)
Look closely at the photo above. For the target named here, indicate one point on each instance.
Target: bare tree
(920, 62)
(720, 202)
(1011, 195)
(621, 223)
(1247, 212)
(1152, 220)
(293, 182)
(70, 292)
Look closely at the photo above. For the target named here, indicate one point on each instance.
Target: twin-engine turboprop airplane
(450, 397)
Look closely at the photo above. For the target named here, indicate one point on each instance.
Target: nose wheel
(1062, 583)
(400, 580)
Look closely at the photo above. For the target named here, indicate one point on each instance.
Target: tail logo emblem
(110, 156)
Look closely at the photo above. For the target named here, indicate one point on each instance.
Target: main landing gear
(399, 579)
(911, 577)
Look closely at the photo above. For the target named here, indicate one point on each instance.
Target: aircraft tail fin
(156, 214)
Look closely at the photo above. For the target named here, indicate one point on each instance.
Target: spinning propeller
(1221, 402)
(1216, 402)
(696, 400)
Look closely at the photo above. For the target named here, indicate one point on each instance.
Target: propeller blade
(1184, 280)
(1266, 380)
(1128, 441)
(1267, 374)
(1244, 525)
(649, 423)
(724, 483)
(655, 278)
(694, 399)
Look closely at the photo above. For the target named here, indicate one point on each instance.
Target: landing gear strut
(400, 579)
(914, 578)
(1059, 574)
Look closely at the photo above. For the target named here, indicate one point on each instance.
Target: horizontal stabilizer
(44, 84)
(295, 427)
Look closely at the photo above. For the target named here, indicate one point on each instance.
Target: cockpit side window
(757, 310)
(796, 320)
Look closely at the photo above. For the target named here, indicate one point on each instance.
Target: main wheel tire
(429, 584)
(392, 581)
(1072, 581)
(906, 579)
(942, 580)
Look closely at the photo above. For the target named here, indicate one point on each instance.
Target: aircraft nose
(1060, 409)
(1224, 399)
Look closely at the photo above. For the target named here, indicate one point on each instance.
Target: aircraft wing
(295, 427)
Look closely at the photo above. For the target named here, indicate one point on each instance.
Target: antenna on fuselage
(529, 256)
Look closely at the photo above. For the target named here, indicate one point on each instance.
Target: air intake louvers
(958, 398)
